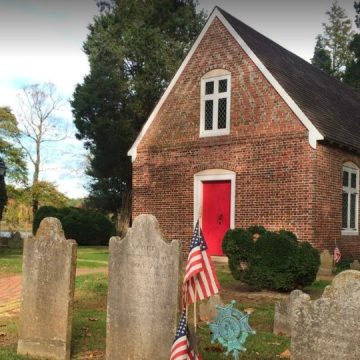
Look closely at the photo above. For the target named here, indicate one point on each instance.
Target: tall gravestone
(328, 328)
(48, 280)
(143, 293)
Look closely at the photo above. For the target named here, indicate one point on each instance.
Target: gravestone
(326, 264)
(16, 241)
(328, 328)
(143, 293)
(355, 265)
(284, 312)
(48, 281)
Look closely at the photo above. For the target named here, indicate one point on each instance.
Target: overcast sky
(41, 40)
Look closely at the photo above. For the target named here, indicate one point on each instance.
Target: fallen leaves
(286, 354)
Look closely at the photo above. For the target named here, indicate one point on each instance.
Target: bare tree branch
(38, 124)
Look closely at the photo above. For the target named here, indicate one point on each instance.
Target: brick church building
(248, 133)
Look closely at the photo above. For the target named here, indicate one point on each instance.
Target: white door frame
(213, 175)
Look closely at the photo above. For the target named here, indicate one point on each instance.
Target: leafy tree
(337, 37)
(13, 156)
(134, 48)
(38, 104)
(322, 58)
(19, 208)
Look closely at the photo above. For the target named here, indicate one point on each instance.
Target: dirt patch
(95, 354)
(243, 293)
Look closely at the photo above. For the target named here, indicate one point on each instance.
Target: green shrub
(270, 260)
(87, 227)
(343, 264)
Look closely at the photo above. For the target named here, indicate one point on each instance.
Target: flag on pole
(200, 279)
(337, 255)
(181, 349)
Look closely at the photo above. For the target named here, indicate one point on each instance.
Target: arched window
(215, 103)
(350, 199)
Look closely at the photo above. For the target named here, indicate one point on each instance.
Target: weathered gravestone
(284, 312)
(15, 241)
(48, 281)
(355, 265)
(143, 293)
(326, 263)
(328, 328)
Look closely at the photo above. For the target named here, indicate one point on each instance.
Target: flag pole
(195, 307)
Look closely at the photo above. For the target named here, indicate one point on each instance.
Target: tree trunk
(124, 217)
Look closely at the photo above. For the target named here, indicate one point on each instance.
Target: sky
(41, 41)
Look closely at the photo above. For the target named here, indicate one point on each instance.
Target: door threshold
(220, 259)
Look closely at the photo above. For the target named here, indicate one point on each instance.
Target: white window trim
(352, 169)
(213, 175)
(225, 75)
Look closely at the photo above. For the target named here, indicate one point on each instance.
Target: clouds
(41, 41)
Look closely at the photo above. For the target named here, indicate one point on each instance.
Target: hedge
(87, 227)
(270, 260)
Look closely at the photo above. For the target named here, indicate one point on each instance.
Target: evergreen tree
(357, 10)
(352, 74)
(322, 57)
(134, 48)
(337, 37)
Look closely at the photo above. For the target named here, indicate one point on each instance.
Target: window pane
(345, 178)
(353, 181)
(352, 211)
(222, 86)
(208, 115)
(222, 114)
(209, 88)
(345, 210)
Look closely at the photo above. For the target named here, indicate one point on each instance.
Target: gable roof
(333, 107)
(329, 109)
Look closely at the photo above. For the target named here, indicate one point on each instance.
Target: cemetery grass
(87, 257)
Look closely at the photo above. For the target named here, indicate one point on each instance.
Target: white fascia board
(133, 150)
(314, 134)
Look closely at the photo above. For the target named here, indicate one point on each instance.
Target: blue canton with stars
(182, 327)
(198, 239)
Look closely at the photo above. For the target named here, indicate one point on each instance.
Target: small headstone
(143, 293)
(16, 241)
(4, 242)
(49, 262)
(284, 312)
(328, 328)
(207, 309)
(326, 264)
(355, 265)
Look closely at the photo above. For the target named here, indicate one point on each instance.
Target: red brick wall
(267, 148)
(330, 161)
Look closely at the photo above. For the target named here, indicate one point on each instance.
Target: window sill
(349, 232)
(214, 133)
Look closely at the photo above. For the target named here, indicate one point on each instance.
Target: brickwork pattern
(330, 161)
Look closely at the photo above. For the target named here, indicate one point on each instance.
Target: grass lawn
(89, 320)
(87, 257)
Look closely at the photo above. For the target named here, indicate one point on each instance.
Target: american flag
(200, 279)
(337, 255)
(181, 349)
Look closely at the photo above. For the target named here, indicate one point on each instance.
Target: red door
(215, 214)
